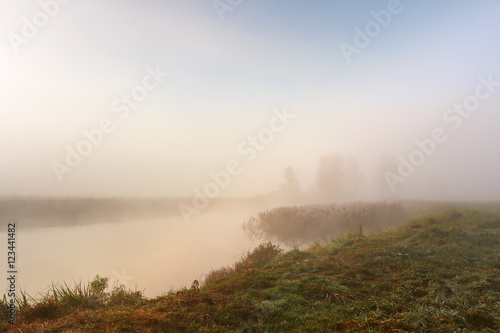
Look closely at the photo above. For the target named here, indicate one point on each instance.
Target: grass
(435, 273)
(63, 299)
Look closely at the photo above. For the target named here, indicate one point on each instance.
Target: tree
(290, 187)
(338, 177)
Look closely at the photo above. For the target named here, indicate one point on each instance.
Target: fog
(154, 256)
(365, 101)
(147, 99)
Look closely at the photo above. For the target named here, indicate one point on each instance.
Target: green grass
(436, 273)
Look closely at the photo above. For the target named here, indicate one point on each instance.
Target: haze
(227, 77)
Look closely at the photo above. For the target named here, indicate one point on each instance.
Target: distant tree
(338, 177)
(291, 186)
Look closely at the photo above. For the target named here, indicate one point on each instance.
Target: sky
(173, 92)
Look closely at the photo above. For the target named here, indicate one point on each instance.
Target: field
(438, 272)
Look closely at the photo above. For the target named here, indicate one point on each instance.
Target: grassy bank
(438, 273)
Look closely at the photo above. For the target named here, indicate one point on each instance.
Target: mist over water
(152, 255)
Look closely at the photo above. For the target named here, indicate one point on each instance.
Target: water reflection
(152, 255)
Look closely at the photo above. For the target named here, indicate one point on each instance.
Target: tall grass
(320, 223)
(63, 298)
(23, 301)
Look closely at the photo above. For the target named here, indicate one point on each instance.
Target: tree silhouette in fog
(291, 186)
(338, 177)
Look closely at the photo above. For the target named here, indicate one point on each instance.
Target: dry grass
(295, 226)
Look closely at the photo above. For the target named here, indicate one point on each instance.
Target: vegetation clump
(319, 223)
(63, 299)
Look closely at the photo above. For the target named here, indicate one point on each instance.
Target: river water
(153, 256)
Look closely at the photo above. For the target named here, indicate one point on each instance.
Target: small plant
(98, 285)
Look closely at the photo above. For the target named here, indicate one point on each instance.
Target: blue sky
(225, 79)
